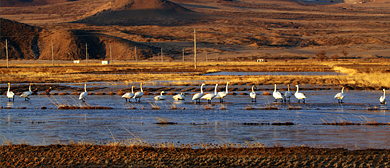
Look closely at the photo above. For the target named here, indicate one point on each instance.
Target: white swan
(160, 97)
(277, 95)
(138, 95)
(129, 95)
(83, 94)
(299, 96)
(210, 96)
(287, 94)
(340, 96)
(253, 94)
(27, 93)
(180, 96)
(382, 99)
(222, 95)
(197, 96)
(10, 94)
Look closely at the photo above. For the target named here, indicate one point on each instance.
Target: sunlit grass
(77, 73)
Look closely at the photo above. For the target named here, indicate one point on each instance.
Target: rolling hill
(30, 42)
(140, 12)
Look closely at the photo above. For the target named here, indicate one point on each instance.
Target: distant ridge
(22, 3)
(141, 12)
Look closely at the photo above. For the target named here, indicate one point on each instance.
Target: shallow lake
(201, 123)
(274, 73)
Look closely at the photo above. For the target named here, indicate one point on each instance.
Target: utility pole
(110, 55)
(52, 54)
(6, 51)
(183, 54)
(86, 52)
(162, 59)
(195, 48)
(135, 51)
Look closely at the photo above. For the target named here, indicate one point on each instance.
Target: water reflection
(10, 104)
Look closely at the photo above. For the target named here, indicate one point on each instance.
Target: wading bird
(83, 94)
(129, 95)
(222, 95)
(138, 95)
(10, 94)
(211, 96)
(253, 94)
(180, 96)
(197, 96)
(299, 95)
(160, 97)
(287, 94)
(277, 95)
(340, 96)
(27, 93)
(382, 99)
(48, 91)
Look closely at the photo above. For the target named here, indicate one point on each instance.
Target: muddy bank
(116, 156)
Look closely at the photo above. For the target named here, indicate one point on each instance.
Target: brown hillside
(70, 45)
(142, 12)
(29, 42)
(23, 3)
(22, 40)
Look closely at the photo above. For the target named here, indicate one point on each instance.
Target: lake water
(204, 123)
(274, 73)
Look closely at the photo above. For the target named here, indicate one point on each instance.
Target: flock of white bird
(201, 95)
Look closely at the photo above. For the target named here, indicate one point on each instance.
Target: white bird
(138, 95)
(287, 94)
(197, 96)
(299, 96)
(222, 95)
(180, 96)
(129, 95)
(10, 94)
(253, 94)
(340, 96)
(83, 94)
(382, 99)
(210, 96)
(160, 97)
(277, 95)
(27, 93)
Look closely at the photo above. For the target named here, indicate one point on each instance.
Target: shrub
(321, 55)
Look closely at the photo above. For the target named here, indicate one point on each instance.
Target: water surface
(216, 123)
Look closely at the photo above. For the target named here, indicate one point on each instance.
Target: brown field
(362, 75)
(85, 155)
(235, 30)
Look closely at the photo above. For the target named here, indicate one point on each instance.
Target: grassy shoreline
(367, 75)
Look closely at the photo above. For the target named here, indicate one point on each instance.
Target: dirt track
(102, 156)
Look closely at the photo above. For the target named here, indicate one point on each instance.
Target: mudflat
(137, 156)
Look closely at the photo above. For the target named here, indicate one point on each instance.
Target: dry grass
(249, 108)
(293, 107)
(277, 123)
(164, 121)
(26, 73)
(265, 93)
(208, 107)
(223, 107)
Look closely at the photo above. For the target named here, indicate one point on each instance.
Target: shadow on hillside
(144, 17)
